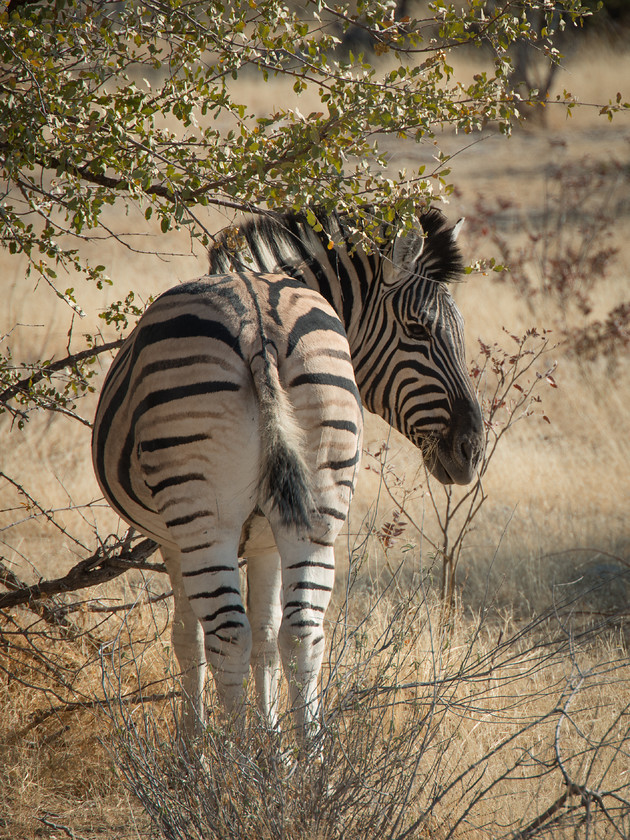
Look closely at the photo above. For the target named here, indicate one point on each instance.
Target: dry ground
(554, 523)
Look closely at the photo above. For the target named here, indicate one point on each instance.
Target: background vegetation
(505, 713)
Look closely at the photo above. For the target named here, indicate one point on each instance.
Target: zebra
(230, 426)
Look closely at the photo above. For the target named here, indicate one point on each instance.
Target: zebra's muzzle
(454, 457)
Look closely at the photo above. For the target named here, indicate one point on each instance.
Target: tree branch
(99, 568)
(24, 385)
(541, 819)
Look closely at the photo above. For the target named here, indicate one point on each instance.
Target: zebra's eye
(418, 331)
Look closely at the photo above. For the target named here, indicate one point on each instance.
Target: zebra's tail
(286, 478)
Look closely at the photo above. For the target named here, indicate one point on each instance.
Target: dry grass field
(507, 715)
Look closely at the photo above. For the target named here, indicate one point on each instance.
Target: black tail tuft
(287, 486)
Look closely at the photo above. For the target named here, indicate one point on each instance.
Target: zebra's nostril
(470, 452)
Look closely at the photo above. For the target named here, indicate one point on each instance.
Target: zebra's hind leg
(308, 572)
(212, 583)
(264, 583)
(187, 635)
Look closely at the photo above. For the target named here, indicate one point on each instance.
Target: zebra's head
(410, 358)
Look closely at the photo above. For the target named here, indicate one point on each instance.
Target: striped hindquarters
(229, 375)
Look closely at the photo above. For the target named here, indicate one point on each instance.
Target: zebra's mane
(281, 242)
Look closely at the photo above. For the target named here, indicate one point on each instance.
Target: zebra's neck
(322, 258)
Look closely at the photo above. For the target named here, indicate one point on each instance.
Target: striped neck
(329, 258)
(323, 258)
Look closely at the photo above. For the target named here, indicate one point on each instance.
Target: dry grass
(466, 723)
(553, 528)
(470, 728)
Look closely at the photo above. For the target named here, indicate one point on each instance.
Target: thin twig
(79, 705)
(155, 599)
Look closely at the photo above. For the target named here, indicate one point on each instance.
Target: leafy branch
(24, 390)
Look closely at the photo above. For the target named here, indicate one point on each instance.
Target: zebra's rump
(224, 373)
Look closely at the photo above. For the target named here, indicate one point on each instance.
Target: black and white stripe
(405, 332)
(230, 423)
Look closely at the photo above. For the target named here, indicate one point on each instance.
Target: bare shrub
(564, 252)
(489, 730)
(53, 773)
(508, 382)
(607, 337)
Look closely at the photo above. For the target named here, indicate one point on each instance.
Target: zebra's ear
(457, 228)
(407, 249)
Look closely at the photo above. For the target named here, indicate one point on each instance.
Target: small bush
(487, 730)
